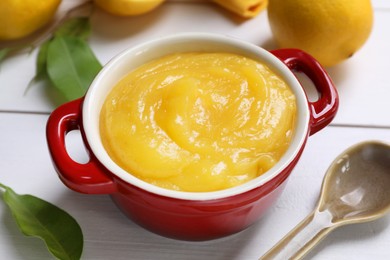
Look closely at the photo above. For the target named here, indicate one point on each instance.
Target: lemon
(127, 7)
(244, 8)
(330, 30)
(19, 18)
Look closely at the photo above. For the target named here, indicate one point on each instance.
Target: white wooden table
(364, 114)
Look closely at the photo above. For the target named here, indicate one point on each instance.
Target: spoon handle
(298, 242)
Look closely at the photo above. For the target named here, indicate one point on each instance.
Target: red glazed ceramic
(176, 214)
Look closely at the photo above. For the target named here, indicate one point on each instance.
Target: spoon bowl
(356, 189)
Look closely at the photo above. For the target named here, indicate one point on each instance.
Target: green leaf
(14, 49)
(41, 60)
(67, 61)
(71, 65)
(36, 217)
(40, 69)
(78, 27)
(41, 64)
(3, 53)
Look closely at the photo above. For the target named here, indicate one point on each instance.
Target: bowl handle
(90, 177)
(324, 109)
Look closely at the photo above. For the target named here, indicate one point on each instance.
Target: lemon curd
(198, 121)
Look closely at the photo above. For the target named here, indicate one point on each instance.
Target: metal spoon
(356, 189)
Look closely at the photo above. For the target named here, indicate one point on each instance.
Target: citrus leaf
(71, 65)
(40, 69)
(41, 64)
(3, 53)
(78, 27)
(41, 60)
(38, 218)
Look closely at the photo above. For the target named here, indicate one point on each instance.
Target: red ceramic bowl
(175, 214)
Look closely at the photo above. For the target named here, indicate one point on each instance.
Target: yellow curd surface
(198, 121)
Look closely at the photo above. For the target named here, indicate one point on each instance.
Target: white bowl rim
(90, 114)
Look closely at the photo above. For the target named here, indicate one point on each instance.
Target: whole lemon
(127, 7)
(330, 30)
(19, 18)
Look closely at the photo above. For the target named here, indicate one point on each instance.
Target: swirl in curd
(198, 121)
